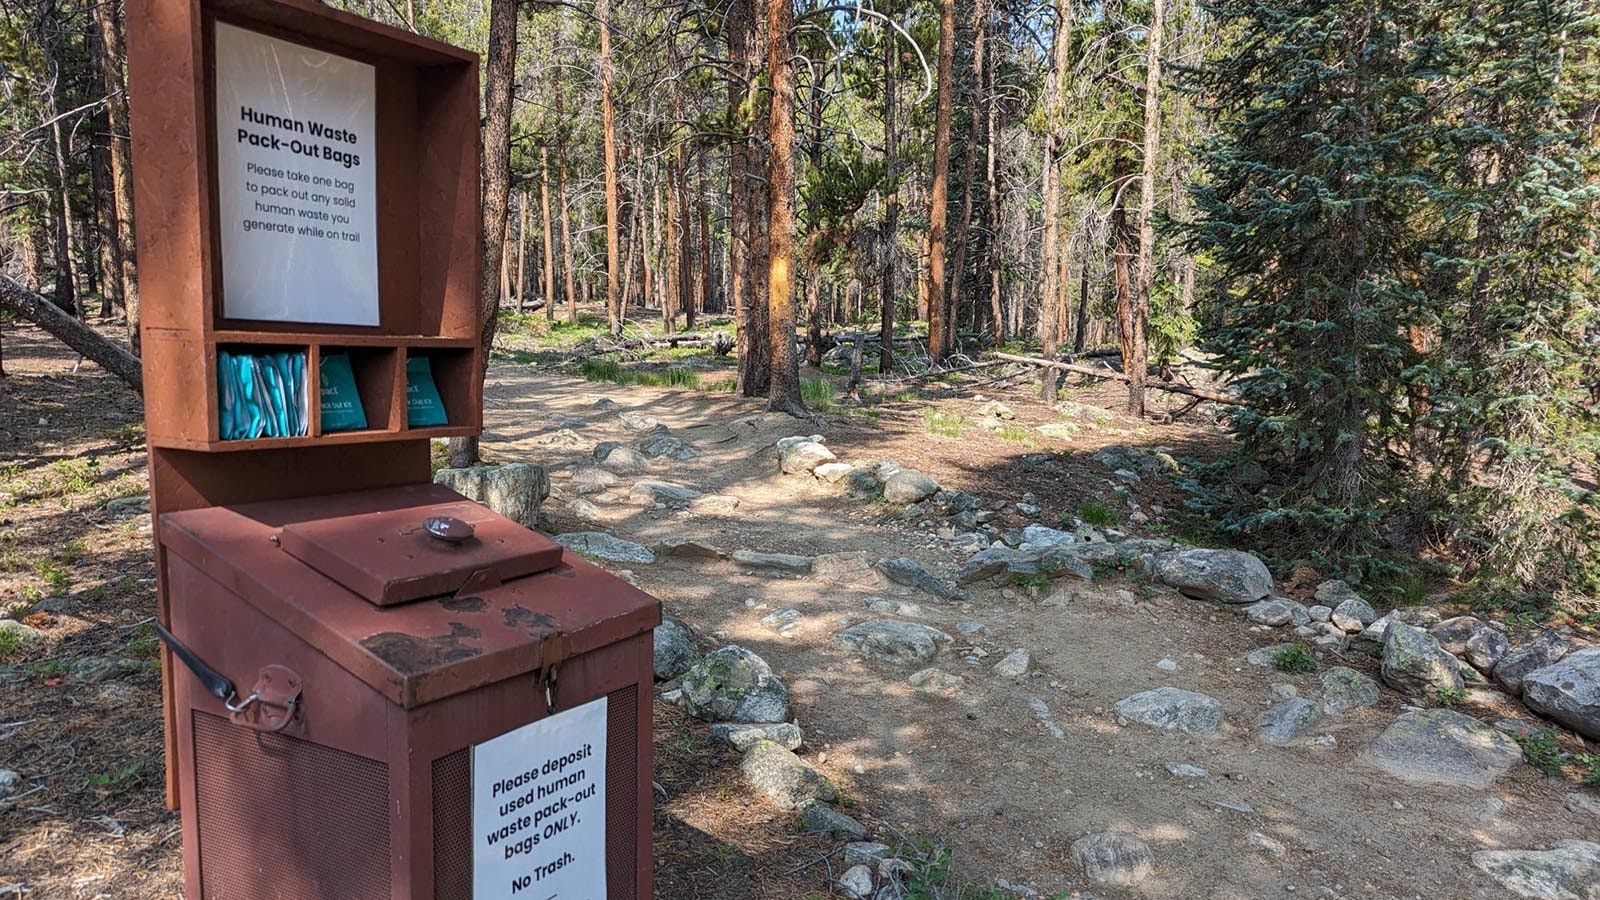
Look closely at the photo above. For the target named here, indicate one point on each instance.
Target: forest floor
(1003, 774)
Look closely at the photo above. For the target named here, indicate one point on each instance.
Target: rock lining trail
(1044, 707)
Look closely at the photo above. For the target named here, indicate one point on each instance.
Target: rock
(731, 684)
(665, 446)
(514, 490)
(890, 641)
(604, 546)
(1546, 650)
(907, 571)
(1582, 803)
(1139, 459)
(1454, 633)
(862, 483)
(1173, 709)
(664, 492)
(994, 409)
(908, 486)
(10, 781)
(864, 852)
(639, 422)
(716, 503)
(1039, 537)
(968, 628)
(136, 505)
(1014, 665)
(1333, 593)
(1321, 613)
(784, 778)
(853, 569)
(1274, 611)
(773, 562)
(820, 818)
(1442, 746)
(888, 607)
(1268, 845)
(22, 635)
(833, 472)
(1267, 657)
(594, 475)
(1113, 859)
(802, 455)
(675, 648)
(617, 458)
(689, 548)
(782, 621)
(856, 882)
(988, 563)
(583, 509)
(1344, 689)
(933, 681)
(1226, 575)
(1288, 720)
(95, 669)
(1568, 691)
(1186, 771)
(743, 736)
(1415, 664)
(1486, 648)
(1354, 615)
(1570, 871)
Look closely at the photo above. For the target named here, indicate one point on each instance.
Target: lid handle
(449, 529)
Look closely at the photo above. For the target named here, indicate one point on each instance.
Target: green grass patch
(1016, 434)
(1100, 515)
(818, 394)
(609, 370)
(77, 475)
(943, 424)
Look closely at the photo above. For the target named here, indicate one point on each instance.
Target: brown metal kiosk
(375, 688)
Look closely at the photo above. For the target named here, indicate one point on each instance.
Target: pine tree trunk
(106, 226)
(991, 243)
(891, 215)
(784, 393)
(499, 81)
(1122, 255)
(522, 251)
(113, 60)
(547, 275)
(748, 203)
(672, 299)
(609, 129)
(568, 280)
(707, 301)
(939, 337)
(963, 236)
(1050, 324)
(1135, 359)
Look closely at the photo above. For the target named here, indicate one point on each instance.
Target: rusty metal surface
(417, 652)
(388, 556)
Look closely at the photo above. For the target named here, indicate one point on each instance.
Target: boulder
(820, 818)
(1138, 459)
(784, 778)
(734, 684)
(802, 455)
(639, 422)
(663, 492)
(675, 648)
(864, 852)
(689, 548)
(1344, 689)
(604, 546)
(1288, 720)
(851, 569)
(18, 633)
(742, 736)
(1454, 633)
(1354, 615)
(856, 882)
(1113, 859)
(773, 562)
(1172, 709)
(1570, 871)
(666, 446)
(833, 472)
(1226, 575)
(907, 571)
(904, 643)
(1320, 613)
(1273, 611)
(621, 459)
(1442, 746)
(95, 669)
(1333, 593)
(1486, 648)
(514, 490)
(1415, 664)
(1014, 665)
(1546, 650)
(908, 486)
(1568, 691)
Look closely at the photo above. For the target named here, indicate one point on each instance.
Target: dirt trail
(982, 771)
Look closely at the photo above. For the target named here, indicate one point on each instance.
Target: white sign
(296, 193)
(539, 809)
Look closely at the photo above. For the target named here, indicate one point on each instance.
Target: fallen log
(75, 334)
(1170, 386)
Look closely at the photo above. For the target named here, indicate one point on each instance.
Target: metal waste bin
(398, 693)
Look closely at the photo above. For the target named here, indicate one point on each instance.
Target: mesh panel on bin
(264, 801)
(452, 808)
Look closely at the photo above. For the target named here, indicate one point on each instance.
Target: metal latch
(273, 702)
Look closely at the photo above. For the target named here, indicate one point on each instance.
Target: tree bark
(113, 61)
(1134, 362)
(499, 81)
(706, 256)
(609, 128)
(748, 249)
(891, 215)
(939, 330)
(963, 236)
(547, 274)
(672, 298)
(1122, 252)
(1050, 324)
(784, 393)
(72, 332)
(991, 244)
(522, 250)
(567, 264)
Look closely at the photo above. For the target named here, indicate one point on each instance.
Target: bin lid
(419, 651)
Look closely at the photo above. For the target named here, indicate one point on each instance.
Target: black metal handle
(216, 683)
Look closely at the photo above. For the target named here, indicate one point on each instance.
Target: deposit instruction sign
(539, 809)
(296, 184)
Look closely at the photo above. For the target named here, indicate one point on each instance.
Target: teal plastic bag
(341, 402)
(424, 409)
